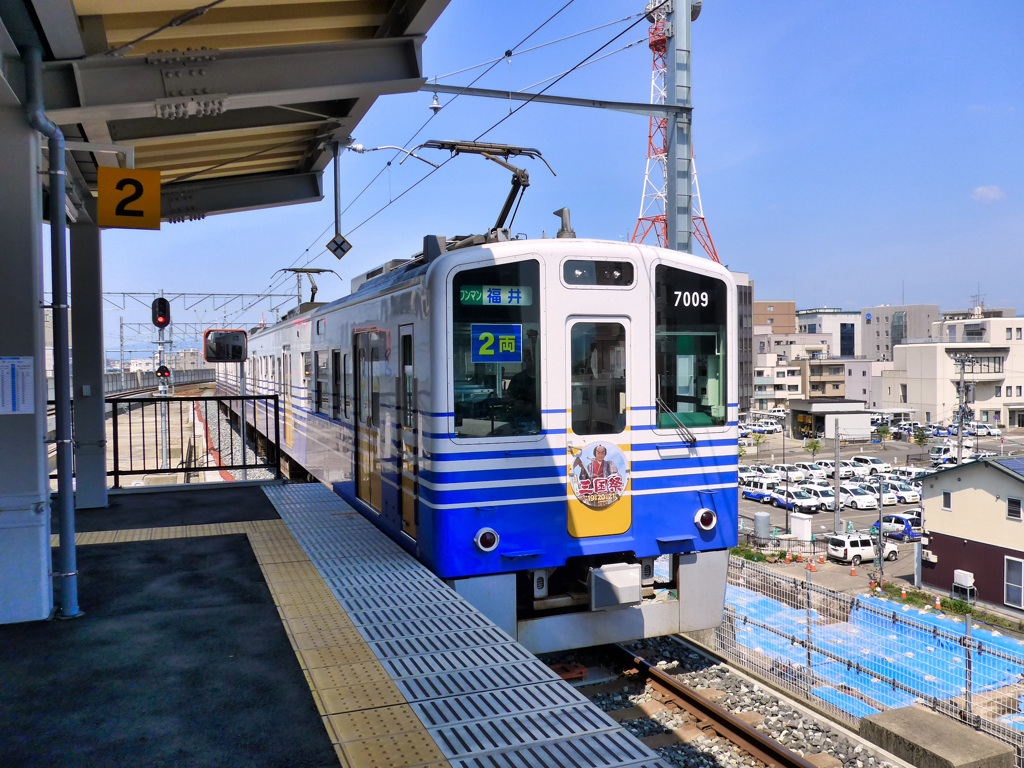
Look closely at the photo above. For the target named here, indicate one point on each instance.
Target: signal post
(161, 319)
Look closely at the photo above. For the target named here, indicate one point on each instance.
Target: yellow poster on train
(599, 501)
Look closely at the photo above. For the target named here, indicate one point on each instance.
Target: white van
(857, 547)
(758, 490)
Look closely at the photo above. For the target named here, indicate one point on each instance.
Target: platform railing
(188, 439)
(854, 655)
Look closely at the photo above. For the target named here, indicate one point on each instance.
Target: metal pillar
(89, 363)
(25, 555)
(677, 93)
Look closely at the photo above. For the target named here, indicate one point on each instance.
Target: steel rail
(724, 723)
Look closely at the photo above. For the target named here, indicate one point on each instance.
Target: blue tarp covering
(845, 702)
(919, 658)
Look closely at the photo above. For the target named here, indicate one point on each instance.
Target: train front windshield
(496, 350)
(690, 335)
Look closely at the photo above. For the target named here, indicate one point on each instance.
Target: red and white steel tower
(652, 218)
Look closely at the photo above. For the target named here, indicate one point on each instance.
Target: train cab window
(598, 358)
(605, 273)
(496, 354)
(690, 340)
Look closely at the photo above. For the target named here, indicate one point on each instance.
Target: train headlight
(706, 519)
(486, 539)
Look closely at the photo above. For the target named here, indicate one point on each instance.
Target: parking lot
(779, 450)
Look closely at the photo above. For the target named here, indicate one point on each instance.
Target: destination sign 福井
(495, 296)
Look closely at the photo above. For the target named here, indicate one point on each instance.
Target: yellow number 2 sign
(128, 198)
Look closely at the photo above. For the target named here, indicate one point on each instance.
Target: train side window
(407, 392)
(377, 373)
(322, 362)
(347, 384)
(496, 354)
(335, 383)
(690, 340)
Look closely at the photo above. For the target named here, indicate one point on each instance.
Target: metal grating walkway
(483, 699)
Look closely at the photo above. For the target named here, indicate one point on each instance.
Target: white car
(855, 548)
(825, 496)
(744, 473)
(856, 497)
(989, 429)
(767, 427)
(888, 497)
(856, 470)
(873, 464)
(765, 472)
(905, 494)
(810, 469)
(829, 466)
(790, 473)
(795, 499)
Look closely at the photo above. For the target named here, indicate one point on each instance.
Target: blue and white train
(537, 421)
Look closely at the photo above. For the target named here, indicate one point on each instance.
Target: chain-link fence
(854, 656)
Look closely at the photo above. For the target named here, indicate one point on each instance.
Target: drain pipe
(33, 58)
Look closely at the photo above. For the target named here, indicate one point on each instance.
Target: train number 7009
(691, 298)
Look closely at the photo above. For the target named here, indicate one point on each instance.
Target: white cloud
(988, 194)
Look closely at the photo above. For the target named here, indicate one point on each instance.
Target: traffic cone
(799, 559)
(813, 569)
(853, 570)
(821, 559)
(938, 603)
(903, 593)
(872, 583)
(789, 558)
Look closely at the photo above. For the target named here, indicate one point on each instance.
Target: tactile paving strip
(482, 699)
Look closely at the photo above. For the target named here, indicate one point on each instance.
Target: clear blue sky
(849, 154)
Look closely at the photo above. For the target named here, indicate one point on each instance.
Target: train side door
(599, 502)
(408, 422)
(286, 396)
(368, 349)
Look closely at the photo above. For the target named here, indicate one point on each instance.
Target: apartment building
(926, 373)
(842, 326)
(883, 327)
(779, 315)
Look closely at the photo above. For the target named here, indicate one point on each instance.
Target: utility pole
(124, 379)
(838, 481)
(961, 360)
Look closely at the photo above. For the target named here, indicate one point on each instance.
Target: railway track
(704, 720)
(650, 689)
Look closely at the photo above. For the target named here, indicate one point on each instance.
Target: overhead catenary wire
(508, 54)
(274, 284)
(430, 173)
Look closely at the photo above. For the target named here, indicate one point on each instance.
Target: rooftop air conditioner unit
(963, 578)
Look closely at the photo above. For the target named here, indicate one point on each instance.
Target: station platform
(274, 625)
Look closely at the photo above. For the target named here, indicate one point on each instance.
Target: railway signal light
(161, 312)
(163, 372)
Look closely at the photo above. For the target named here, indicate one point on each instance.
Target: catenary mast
(664, 38)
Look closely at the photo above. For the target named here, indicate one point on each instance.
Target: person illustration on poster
(598, 466)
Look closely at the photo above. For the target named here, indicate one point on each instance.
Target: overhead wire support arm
(495, 153)
(634, 107)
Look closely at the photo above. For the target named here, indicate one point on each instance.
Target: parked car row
(802, 487)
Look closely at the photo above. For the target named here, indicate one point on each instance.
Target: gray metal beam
(298, 114)
(116, 89)
(243, 193)
(59, 23)
(637, 108)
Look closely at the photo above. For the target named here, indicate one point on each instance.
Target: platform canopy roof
(238, 103)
